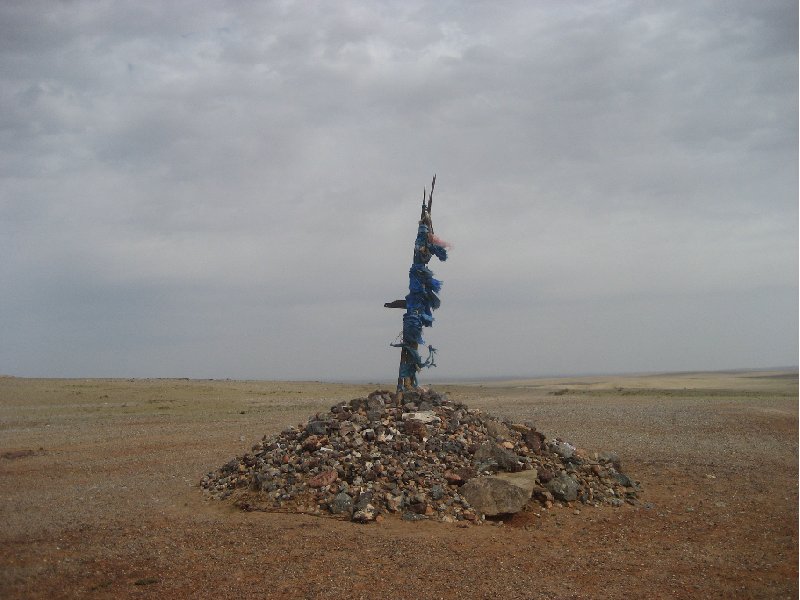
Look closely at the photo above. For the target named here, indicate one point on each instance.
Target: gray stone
(427, 416)
(500, 494)
(610, 457)
(496, 430)
(437, 492)
(342, 503)
(315, 428)
(503, 458)
(439, 399)
(563, 487)
(623, 479)
(524, 479)
(453, 424)
(358, 403)
(365, 515)
(364, 500)
(410, 516)
(563, 449)
(375, 401)
(410, 397)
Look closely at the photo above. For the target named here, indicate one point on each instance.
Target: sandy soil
(99, 496)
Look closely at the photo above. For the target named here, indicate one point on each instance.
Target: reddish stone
(420, 508)
(453, 478)
(545, 475)
(465, 473)
(534, 441)
(416, 428)
(323, 479)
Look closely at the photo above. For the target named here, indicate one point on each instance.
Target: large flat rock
(505, 493)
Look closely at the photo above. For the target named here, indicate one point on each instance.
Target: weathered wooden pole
(421, 300)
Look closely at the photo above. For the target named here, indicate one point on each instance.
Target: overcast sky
(195, 189)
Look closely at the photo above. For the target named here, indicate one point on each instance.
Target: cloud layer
(231, 190)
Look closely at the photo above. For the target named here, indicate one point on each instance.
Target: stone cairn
(419, 455)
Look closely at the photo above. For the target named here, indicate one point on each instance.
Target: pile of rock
(420, 455)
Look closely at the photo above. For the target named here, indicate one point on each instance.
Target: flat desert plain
(100, 498)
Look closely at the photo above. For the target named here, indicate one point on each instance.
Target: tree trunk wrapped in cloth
(422, 299)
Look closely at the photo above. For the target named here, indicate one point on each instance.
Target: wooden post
(418, 304)
(406, 383)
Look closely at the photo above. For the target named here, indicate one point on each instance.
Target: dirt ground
(99, 495)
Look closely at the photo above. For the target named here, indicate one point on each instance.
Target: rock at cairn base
(505, 493)
(419, 455)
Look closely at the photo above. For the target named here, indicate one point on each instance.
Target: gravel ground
(99, 495)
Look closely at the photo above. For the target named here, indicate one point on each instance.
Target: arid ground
(99, 495)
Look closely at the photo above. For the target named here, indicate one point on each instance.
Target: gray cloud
(231, 191)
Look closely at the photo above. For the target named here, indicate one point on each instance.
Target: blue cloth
(421, 301)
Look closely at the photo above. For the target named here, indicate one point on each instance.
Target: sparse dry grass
(106, 504)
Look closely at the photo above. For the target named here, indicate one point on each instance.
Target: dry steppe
(99, 495)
